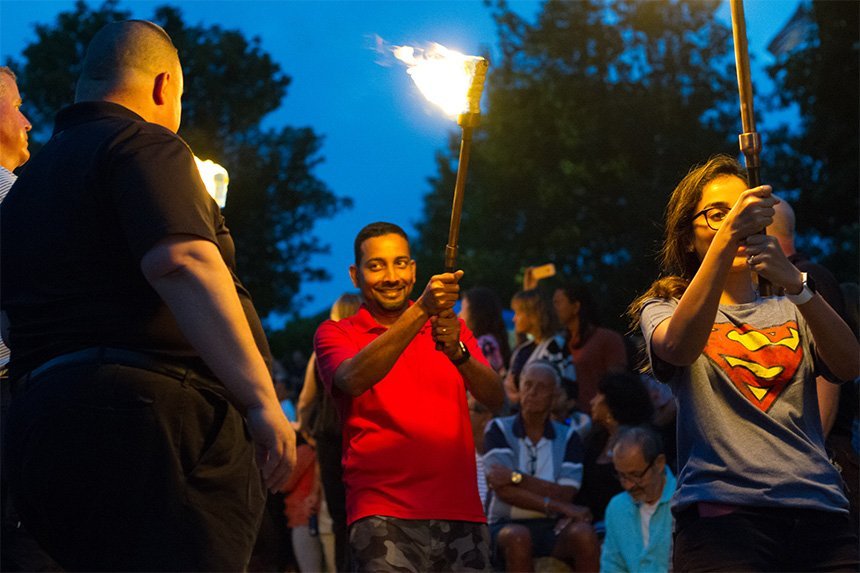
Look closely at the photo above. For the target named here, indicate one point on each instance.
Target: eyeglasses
(714, 217)
(633, 477)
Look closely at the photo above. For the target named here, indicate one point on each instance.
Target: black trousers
(122, 468)
(765, 539)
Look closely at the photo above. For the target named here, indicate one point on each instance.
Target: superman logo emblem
(759, 362)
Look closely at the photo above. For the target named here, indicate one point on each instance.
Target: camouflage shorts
(381, 543)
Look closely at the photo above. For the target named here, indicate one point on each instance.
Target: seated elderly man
(639, 520)
(534, 469)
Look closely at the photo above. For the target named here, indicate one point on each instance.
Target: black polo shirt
(75, 226)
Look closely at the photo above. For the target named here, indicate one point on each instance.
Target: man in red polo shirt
(409, 458)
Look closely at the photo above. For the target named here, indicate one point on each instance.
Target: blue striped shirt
(557, 458)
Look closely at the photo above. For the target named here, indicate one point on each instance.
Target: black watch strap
(464, 358)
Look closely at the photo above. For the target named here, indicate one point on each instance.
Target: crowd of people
(620, 399)
(578, 466)
(144, 417)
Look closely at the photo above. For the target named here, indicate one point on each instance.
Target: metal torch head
(472, 117)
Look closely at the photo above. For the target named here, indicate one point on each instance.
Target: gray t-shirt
(749, 431)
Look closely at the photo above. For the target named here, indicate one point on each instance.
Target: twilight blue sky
(379, 134)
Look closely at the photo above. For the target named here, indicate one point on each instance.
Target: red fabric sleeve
(332, 345)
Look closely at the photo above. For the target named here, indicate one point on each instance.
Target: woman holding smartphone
(756, 490)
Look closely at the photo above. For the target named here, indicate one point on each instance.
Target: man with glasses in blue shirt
(639, 520)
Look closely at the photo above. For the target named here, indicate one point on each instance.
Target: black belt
(105, 355)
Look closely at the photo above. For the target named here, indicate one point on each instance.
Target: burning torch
(215, 179)
(454, 82)
(467, 120)
(750, 142)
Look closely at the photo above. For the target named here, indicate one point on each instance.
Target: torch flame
(442, 75)
(215, 179)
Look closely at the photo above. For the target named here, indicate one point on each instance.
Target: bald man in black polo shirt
(138, 359)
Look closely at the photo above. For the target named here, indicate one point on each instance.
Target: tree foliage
(818, 158)
(593, 114)
(231, 84)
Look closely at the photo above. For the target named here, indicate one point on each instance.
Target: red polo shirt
(407, 441)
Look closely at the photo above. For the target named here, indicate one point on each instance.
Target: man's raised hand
(441, 293)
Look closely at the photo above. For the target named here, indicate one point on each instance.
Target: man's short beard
(394, 306)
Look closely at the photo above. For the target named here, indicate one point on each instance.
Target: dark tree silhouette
(231, 84)
(817, 159)
(593, 114)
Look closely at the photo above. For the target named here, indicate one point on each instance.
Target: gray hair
(643, 437)
(546, 366)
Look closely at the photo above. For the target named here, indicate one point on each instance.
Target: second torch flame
(445, 77)
(215, 179)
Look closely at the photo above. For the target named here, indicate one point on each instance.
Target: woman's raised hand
(751, 213)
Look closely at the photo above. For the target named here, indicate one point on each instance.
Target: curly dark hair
(627, 398)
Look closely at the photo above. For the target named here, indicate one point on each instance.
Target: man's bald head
(122, 49)
(10, 75)
(783, 226)
(134, 63)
